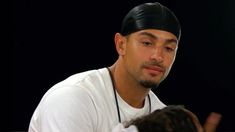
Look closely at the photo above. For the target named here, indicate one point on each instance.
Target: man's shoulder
(83, 81)
(78, 78)
(157, 103)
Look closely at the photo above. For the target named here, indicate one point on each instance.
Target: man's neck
(128, 89)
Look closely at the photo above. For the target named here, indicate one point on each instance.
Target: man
(97, 100)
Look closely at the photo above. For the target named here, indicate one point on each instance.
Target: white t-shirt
(120, 128)
(85, 102)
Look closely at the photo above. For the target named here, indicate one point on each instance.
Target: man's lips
(154, 70)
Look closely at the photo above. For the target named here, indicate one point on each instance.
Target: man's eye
(147, 43)
(169, 49)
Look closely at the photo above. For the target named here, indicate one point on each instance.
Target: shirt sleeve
(67, 109)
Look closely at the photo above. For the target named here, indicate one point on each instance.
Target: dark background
(55, 39)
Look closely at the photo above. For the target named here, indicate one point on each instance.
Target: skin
(212, 122)
(145, 59)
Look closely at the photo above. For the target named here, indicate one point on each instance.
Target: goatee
(149, 84)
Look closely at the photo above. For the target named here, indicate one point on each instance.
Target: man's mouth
(154, 70)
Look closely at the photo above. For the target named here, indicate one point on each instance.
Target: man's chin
(149, 84)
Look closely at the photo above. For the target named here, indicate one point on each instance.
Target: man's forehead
(155, 34)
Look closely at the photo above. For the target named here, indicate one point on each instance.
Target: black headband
(150, 16)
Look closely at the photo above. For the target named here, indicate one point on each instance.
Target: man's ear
(120, 43)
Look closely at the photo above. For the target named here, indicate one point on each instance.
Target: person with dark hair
(97, 100)
(169, 119)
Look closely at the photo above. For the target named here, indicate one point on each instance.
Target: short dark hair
(169, 119)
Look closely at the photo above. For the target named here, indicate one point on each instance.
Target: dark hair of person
(168, 119)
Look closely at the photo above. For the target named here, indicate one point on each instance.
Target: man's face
(149, 55)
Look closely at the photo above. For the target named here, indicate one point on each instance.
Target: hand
(212, 122)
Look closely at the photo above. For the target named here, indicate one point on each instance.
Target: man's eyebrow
(155, 37)
(169, 41)
(149, 35)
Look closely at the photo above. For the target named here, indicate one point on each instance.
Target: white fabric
(84, 102)
(121, 128)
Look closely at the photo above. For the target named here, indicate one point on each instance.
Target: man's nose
(157, 54)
